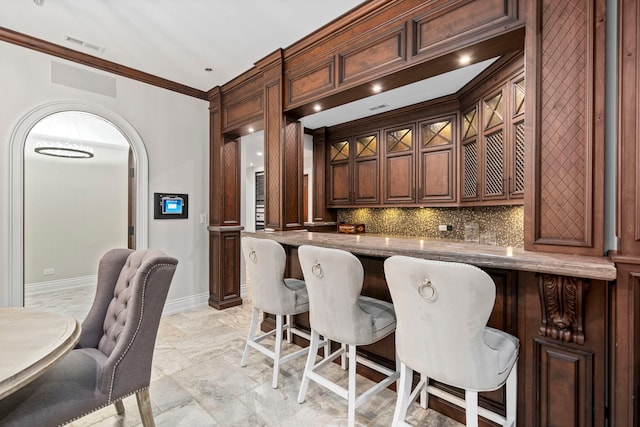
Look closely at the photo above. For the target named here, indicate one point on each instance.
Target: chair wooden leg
(252, 333)
(119, 407)
(144, 406)
(404, 393)
(289, 326)
(471, 403)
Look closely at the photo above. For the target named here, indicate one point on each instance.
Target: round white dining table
(31, 341)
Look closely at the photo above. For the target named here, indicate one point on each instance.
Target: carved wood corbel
(562, 303)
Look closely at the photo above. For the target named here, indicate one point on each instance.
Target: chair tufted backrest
(266, 260)
(123, 321)
(334, 281)
(442, 309)
(117, 312)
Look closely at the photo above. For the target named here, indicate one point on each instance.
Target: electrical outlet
(445, 227)
(48, 271)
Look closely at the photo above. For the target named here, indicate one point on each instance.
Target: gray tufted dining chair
(272, 293)
(338, 312)
(442, 310)
(112, 359)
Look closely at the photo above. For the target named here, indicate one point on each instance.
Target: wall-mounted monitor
(170, 206)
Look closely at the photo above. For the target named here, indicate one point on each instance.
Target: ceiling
(174, 39)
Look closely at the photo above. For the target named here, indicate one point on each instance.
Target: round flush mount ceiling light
(64, 149)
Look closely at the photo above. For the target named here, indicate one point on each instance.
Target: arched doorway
(17, 182)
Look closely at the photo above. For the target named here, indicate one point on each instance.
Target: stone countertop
(599, 268)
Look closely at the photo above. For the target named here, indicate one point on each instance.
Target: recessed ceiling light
(317, 107)
(250, 130)
(465, 60)
(259, 153)
(376, 88)
(251, 164)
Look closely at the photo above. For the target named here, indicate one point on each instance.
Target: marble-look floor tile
(197, 379)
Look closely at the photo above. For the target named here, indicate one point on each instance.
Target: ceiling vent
(379, 107)
(84, 44)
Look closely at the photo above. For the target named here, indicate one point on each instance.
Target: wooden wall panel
(457, 20)
(625, 372)
(565, 122)
(314, 81)
(215, 159)
(240, 112)
(273, 149)
(568, 373)
(628, 196)
(231, 183)
(293, 168)
(372, 56)
(243, 102)
(224, 267)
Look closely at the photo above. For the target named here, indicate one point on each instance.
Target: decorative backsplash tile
(506, 221)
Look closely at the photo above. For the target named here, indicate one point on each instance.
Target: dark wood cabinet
(353, 171)
(492, 146)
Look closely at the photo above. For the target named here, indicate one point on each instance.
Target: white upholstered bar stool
(338, 312)
(442, 310)
(272, 293)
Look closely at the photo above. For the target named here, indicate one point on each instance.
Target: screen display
(172, 205)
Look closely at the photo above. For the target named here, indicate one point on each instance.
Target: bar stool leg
(252, 333)
(277, 351)
(404, 393)
(471, 402)
(343, 356)
(424, 396)
(512, 396)
(311, 358)
(289, 326)
(351, 404)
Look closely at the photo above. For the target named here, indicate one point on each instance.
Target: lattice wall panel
(518, 159)
(273, 160)
(563, 114)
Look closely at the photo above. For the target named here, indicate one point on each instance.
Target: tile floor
(197, 379)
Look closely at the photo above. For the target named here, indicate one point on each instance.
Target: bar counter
(487, 256)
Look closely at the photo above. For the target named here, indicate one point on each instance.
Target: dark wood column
(564, 201)
(224, 212)
(320, 211)
(625, 312)
(283, 152)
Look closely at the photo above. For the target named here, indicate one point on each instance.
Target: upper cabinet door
(470, 157)
(494, 180)
(436, 170)
(399, 165)
(366, 189)
(339, 173)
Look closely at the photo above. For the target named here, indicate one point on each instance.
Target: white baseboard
(180, 304)
(59, 285)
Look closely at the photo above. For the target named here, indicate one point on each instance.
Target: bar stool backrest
(442, 309)
(266, 262)
(334, 280)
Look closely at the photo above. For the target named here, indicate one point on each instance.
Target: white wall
(174, 129)
(74, 211)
